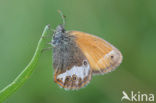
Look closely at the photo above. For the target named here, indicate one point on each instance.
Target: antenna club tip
(59, 11)
(63, 17)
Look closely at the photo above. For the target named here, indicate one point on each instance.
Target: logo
(137, 96)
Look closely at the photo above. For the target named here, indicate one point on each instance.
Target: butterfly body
(78, 55)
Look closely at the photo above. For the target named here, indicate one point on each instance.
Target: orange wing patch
(102, 56)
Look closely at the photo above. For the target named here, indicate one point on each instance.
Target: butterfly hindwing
(74, 78)
(102, 56)
(72, 69)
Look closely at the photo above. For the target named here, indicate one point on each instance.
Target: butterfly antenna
(63, 17)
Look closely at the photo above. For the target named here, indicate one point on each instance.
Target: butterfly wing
(71, 68)
(102, 56)
(74, 78)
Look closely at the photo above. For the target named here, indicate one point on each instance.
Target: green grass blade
(25, 74)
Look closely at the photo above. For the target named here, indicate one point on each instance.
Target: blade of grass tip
(25, 74)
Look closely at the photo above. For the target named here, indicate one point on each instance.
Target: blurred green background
(128, 24)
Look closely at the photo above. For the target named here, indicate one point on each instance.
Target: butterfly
(78, 55)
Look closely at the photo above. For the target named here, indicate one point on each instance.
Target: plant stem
(26, 73)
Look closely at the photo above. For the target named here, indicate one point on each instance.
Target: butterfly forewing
(102, 56)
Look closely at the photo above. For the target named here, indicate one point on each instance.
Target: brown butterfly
(78, 55)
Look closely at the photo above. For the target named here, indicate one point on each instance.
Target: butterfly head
(59, 33)
(59, 29)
